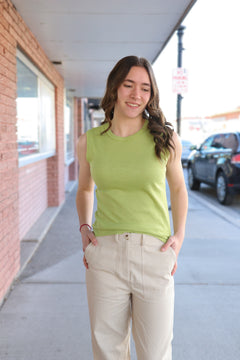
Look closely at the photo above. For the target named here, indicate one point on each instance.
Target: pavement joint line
(219, 212)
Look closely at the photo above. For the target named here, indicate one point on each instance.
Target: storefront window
(35, 113)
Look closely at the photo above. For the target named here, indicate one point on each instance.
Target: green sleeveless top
(130, 181)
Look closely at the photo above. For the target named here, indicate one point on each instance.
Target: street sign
(180, 80)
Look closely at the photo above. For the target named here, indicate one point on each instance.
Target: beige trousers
(129, 278)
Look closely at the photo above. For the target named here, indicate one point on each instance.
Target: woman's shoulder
(97, 130)
(176, 140)
(175, 150)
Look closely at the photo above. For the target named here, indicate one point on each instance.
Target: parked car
(186, 151)
(217, 163)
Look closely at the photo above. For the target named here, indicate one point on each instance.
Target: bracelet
(89, 226)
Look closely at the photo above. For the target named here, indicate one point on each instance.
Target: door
(201, 159)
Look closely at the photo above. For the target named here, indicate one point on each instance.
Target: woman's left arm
(179, 198)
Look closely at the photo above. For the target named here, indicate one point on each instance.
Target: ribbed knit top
(130, 181)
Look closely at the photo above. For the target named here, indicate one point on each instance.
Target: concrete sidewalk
(46, 316)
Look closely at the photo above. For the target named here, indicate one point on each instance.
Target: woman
(130, 254)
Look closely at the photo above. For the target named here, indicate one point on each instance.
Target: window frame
(69, 103)
(29, 159)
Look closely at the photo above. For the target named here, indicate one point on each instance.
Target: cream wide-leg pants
(129, 278)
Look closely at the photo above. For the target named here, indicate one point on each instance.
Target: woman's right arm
(85, 193)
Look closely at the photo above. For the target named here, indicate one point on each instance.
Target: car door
(201, 159)
(224, 145)
(216, 151)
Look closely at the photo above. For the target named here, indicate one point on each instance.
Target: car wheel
(223, 195)
(193, 183)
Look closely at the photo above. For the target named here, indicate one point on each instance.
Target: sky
(212, 58)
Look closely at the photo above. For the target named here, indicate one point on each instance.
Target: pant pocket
(158, 266)
(102, 256)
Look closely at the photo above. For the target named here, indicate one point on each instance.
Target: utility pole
(179, 64)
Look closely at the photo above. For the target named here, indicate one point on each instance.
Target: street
(46, 315)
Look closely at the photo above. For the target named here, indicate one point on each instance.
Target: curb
(39, 230)
(33, 238)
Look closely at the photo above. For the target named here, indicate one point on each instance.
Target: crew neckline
(124, 138)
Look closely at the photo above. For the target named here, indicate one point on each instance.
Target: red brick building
(33, 171)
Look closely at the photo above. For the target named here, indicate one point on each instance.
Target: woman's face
(133, 94)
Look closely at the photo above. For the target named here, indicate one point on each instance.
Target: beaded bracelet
(89, 226)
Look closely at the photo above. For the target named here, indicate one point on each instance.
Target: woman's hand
(87, 237)
(175, 243)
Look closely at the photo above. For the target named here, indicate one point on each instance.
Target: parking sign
(180, 80)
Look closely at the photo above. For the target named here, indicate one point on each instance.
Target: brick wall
(32, 194)
(9, 240)
(44, 179)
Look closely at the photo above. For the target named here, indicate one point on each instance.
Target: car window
(230, 142)
(225, 141)
(206, 145)
(218, 141)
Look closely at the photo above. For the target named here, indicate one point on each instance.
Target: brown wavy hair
(161, 130)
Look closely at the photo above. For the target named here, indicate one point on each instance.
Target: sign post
(179, 81)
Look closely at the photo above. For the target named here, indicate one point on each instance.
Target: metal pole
(179, 64)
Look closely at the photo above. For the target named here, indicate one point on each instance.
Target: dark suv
(217, 163)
